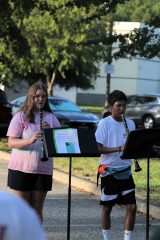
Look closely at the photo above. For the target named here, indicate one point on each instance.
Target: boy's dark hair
(115, 96)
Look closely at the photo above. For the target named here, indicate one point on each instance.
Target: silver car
(144, 110)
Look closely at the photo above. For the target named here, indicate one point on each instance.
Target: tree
(12, 43)
(58, 48)
(144, 42)
(138, 10)
(57, 41)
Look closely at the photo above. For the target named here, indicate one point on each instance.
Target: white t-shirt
(111, 134)
(18, 221)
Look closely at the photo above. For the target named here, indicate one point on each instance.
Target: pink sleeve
(16, 125)
(55, 123)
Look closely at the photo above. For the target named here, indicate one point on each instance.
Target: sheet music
(66, 140)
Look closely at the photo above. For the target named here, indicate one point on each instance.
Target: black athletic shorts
(21, 181)
(115, 191)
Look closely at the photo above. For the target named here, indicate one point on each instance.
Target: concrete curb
(91, 187)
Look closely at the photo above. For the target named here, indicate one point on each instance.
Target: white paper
(66, 140)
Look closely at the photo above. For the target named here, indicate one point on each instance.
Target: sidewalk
(91, 187)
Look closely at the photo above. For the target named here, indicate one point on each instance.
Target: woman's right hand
(36, 135)
(14, 142)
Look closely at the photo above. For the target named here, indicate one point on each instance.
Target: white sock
(127, 235)
(106, 234)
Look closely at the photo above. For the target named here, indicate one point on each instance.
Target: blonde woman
(28, 176)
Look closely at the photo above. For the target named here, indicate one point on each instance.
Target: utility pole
(109, 60)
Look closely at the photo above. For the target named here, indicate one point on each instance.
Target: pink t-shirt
(27, 159)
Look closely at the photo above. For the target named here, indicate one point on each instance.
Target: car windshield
(63, 105)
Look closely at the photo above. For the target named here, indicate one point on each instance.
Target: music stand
(141, 144)
(70, 142)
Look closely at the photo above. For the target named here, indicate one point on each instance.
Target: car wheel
(148, 122)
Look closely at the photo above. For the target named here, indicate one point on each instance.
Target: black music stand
(143, 143)
(70, 142)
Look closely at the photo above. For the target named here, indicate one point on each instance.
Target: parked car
(67, 112)
(144, 110)
(5, 111)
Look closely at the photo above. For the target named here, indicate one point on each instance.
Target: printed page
(66, 140)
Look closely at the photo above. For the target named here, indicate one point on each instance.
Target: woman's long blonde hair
(28, 106)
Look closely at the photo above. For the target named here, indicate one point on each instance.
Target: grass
(3, 144)
(87, 168)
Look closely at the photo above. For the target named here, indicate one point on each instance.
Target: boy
(117, 184)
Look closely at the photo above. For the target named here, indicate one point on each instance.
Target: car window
(150, 100)
(136, 100)
(63, 105)
(139, 100)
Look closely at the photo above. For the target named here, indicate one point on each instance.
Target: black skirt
(22, 181)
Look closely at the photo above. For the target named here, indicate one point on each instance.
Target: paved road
(85, 211)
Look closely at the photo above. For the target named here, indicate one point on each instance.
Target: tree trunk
(50, 83)
(50, 79)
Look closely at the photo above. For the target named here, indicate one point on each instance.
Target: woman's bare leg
(37, 201)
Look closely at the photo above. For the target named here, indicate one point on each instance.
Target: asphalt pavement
(85, 213)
